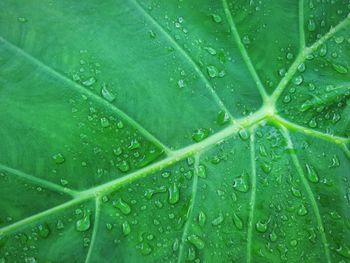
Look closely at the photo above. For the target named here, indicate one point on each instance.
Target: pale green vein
(301, 25)
(303, 55)
(106, 188)
(190, 210)
(346, 150)
(244, 52)
(86, 92)
(38, 181)
(185, 54)
(34, 218)
(310, 132)
(95, 229)
(252, 198)
(309, 192)
(179, 155)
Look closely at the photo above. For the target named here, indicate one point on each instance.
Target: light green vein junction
(267, 112)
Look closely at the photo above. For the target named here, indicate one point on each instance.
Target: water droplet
(84, 223)
(323, 51)
(200, 134)
(145, 248)
(273, 236)
(241, 183)
(104, 122)
(343, 250)
(298, 80)
(89, 82)
(44, 230)
(152, 34)
(237, 221)
(266, 167)
(222, 118)
(58, 158)
(335, 161)
(217, 221)
(174, 193)
(243, 134)
(311, 173)
(302, 211)
(311, 26)
(106, 94)
(296, 192)
(126, 228)
(340, 68)
(181, 83)
(196, 241)
(202, 218)
(313, 123)
(287, 98)
(122, 206)
(211, 51)
(123, 166)
(201, 172)
(216, 18)
(261, 226)
(212, 71)
(22, 19)
(301, 67)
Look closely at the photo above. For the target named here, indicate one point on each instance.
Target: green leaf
(174, 131)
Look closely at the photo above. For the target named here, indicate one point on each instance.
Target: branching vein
(86, 92)
(95, 229)
(185, 55)
(295, 127)
(309, 192)
(244, 52)
(190, 213)
(303, 55)
(37, 181)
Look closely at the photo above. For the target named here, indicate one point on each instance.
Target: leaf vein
(86, 92)
(244, 52)
(185, 54)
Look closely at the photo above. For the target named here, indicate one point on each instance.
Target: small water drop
(123, 206)
(174, 193)
(311, 173)
(200, 134)
(196, 241)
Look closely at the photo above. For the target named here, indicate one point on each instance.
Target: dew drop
(202, 218)
(212, 71)
(58, 158)
(311, 173)
(237, 221)
(241, 183)
(196, 241)
(106, 94)
(122, 206)
(174, 193)
(126, 228)
(261, 226)
(84, 223)
(217, 221)
(200, 134)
